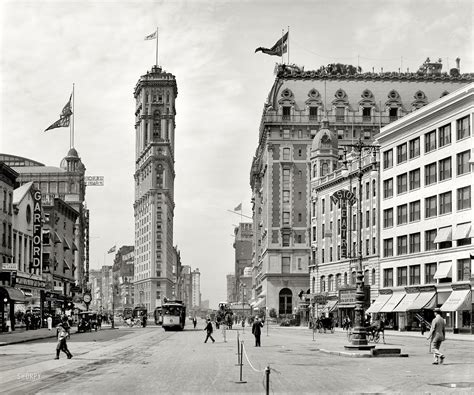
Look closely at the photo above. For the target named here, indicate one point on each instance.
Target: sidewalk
(23, 336)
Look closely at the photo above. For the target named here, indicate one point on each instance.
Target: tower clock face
(28, 214)
(87, 298)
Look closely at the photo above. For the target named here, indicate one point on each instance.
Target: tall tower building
(155, 95)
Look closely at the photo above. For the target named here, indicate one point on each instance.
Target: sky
(99, 46)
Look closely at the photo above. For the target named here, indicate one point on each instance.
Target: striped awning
(379, 303)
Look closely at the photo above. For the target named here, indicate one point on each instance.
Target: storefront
(416, 306)
(459, 308)
(347, 302)
(9, 297)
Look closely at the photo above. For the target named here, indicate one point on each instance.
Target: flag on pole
(239, 207)
(151, 36)
(111, 250)
(64, 117)
(280, 47)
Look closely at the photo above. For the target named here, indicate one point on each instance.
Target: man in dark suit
(209, 330)
(257, 331)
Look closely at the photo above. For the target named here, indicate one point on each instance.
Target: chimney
(458, 63)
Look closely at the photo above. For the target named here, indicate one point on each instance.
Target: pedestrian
(257, 331)
(63, 334)
(436, 336)
(50, 322)
(209, 330)
(423, 327)
(194, 322)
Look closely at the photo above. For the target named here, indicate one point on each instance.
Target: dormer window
(366, 114)
(393, 114)
(286, 112)
(313, 113)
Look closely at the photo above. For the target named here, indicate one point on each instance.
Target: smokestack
(458, 63)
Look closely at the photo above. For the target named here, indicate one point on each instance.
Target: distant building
(231, 297)
(95, 286)
(186, 289)
(123, 271)
(243, 250)
(155, 94)
(196, 288)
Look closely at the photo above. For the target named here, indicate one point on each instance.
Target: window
(429, 240)
(445, 169)
(464, 269)
(374, 246)
(322, 284)
(286, 196)
(323, 206)
(286, 178)
(430, 270)
(415, 240)
(338, 281)
(323, 235)
(285, 264)
(462, 162)
(445, 203)
(430, 141)
(415, 211)
(402, 153)
(430, 207)
(414, 146)
(414, 179)
(340, 114)
(313, 113)
(330, 283)
(286, 133)
(388, 277)
(388, 188)
(388, 247)
(373, 277)
(374, 213)
(415, 275)
(367, 219)
(444, 135)
(374, 189)
(353, 278)
(300, 217)
(322, 255)
(286, 112)
(402, 248)
(402, 214)
(367, 190)
(285, 299)
(286, 239)
(402, 183)
(430, 173)
(286, 217)
(366, 113)
(463, 128)
(387, 159)
(402, 276)
(286, 154)
(393, 114)
(464, 198)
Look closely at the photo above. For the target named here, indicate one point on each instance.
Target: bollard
(267, 380)
(238, 350)
(241, 363)
(223, 332)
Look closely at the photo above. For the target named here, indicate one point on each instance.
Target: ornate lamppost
(359, 334)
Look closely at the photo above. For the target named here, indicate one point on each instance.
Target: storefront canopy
(393, 302)
(458, 300)
(260, 303)
(14, 294)
(379, 303)
(406, 302)
(425, 300)
(444, 270)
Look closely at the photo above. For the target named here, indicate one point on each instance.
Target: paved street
(132, 360)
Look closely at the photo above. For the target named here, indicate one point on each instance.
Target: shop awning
(56, 238)
(425, 300)
(14, 294)
(444, 270)
(259, 303)
(458, 300)
(66, 244)
(462, 231)
(393, 302)
(332, 305)
(80, 306)
(379, 303)
(444, 234)
(406, 302)
(74, 247)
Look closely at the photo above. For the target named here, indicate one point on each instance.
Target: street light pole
(359, 334)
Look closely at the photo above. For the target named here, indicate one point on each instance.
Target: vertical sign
(37, 231)
(343, 196)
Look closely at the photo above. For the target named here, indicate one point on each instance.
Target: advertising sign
(94, 181)
(37, 230)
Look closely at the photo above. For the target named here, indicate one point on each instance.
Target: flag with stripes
(112, 249)
(64, 117)
(280, 47)
(239, 207)
(151, 36)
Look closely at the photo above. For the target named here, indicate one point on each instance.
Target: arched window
(338, 281)
(156, 125)
(299, 217)
(330, 283)
(324, 169)
(374, 189)
(353, 278)
(345, 278)
(285, 301)
(373, 276)
(366, 277)
(322, 284)
(313, 285)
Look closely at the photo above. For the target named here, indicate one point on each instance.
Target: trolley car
(173, 315)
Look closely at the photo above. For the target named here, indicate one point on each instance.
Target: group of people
(256, 330)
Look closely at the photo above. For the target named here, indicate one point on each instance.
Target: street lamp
(242, 286)
(359, 334)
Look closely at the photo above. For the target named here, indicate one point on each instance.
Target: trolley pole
(267, 380)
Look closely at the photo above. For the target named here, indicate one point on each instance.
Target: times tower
(155, 95)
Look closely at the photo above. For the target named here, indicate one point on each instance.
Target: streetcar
(158, 316)
(173, 315)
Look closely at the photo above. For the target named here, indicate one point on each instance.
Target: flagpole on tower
(72, 123)
(282, 34)
(288, 45)
(157, 46)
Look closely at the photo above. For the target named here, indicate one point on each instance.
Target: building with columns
(155, 94)
(356, 105)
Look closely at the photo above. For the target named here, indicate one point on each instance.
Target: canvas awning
(66, 244)
(332, 305)
(14, 294)
(444, 234)
(459, 300)
(444, 270)
(425, 300)
(462, 231)
(259, 303)
(406, 302)
(379, 303)
(74, 247)
(393, 302)
(56, 238)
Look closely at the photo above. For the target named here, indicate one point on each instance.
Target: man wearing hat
(209, 330)
(437, 336)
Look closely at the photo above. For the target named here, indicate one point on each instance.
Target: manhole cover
(456, 385)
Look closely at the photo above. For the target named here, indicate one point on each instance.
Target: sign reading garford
(37, 227)
(94, 181)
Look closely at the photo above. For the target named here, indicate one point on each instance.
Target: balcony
(364, 120)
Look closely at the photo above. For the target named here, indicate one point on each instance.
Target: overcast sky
(46, 46)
